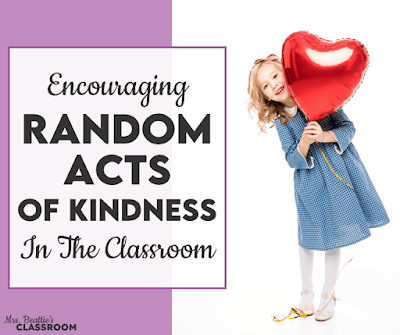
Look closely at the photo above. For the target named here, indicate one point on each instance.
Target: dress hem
(379, 224)
(347, 244)
(339, 246)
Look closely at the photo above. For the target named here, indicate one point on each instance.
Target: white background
(263, 268)
(38, 171)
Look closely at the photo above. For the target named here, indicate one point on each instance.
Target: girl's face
(271, 82)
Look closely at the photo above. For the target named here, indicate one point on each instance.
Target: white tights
(332, 260)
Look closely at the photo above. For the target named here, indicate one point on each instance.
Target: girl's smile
(280, 89)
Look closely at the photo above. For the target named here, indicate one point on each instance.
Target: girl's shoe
(325, 316)
(308, 309)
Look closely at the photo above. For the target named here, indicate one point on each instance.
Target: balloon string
(297, 311)
(334, 284)
(327, 162)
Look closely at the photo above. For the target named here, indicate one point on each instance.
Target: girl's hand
(314, 132)
(308, 136)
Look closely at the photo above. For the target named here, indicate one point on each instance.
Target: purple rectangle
(80, 23)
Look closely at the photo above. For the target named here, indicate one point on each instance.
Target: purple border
(80, 23)
(225, 163)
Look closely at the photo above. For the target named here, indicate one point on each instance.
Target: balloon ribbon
(327, 162)
(299, 312)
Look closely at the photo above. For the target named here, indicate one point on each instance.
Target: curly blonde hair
(266, 111)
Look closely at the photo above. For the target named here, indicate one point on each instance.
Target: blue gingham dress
(330, 214)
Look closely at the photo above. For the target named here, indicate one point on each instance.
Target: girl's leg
(306, 268)
(332, 260)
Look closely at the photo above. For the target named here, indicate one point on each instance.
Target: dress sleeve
(289, 145)
(344, 130)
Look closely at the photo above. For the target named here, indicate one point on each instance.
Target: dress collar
(292, 110)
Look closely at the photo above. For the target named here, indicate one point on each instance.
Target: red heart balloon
(322, 75)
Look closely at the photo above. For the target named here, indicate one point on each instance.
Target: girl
(332, 213)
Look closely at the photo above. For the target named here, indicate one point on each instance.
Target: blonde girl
(331, 213)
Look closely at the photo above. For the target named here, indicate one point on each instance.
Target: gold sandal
(307, 309)
(325, 316)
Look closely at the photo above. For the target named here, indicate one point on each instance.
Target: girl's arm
(296, 154)
(304, 145)
(343, 132)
